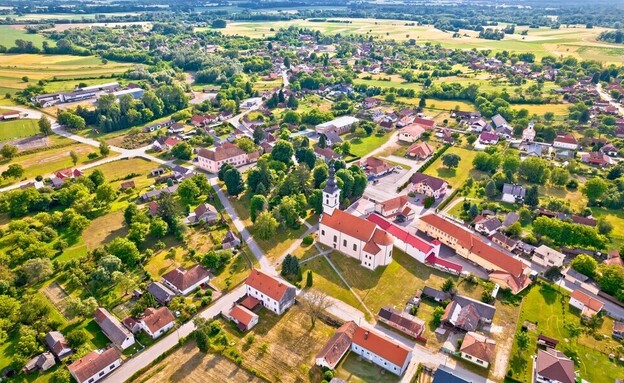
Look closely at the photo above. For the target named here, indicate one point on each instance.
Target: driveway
(386, 186)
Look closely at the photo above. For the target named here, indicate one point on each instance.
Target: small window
(344, 242)
(102, 373)
(354, 247)
(335, 238)
(322, 232)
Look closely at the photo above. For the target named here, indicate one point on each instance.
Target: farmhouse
(184, 281)
(242, 317)
(435, 294)
(420, 151)
(547, 257)
(488, 226)
(426, 123)
(340, 125)
(160, 292)
(165, 143)
(95, 365)
(275, 294)
(486, 138)
(375, 167)
(566, 141)
(478, 349)
(394, 206)
(382, 351)
(337, 346)
(505, 270)
(402, 321)
(599, 159)
(504, 241)
(211, 160)
(57, 344)
(468, 314)
(326, 154)
(353, 236)
(588, 305)
(205, 212)
(411, 133)
(428, 185)
(230, 240)
(113, 329)
(552, 366)
(156, 322)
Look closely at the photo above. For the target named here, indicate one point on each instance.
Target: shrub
(307, 240)
(428, 202)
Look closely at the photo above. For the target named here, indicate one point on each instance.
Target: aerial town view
(312, 191)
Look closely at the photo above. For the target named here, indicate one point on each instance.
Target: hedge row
(424, 166)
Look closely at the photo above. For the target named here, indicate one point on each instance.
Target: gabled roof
(111, 326)
(350, 225)
(401, 234)
(478, 346)
(433, 182)
(338, 344)
(92, 363)
(394, 203)
(567, 139)
(268, 285)
(223, 152)
(386, 348)
(204, 208)
(554, 365)
(588, 301)
(425, 122)
(242, 315)
(155, 319)
(405, 320)
(421, 149)
(183, 279)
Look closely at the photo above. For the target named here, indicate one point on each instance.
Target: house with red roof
(394, 207)
(244, 318)
(428, 185)
(411, 133)
(377, 348)
(566, 141)
(68, 174)
(588, 305)
(487, 138)
(211, 160)
(95, 365)
(420, 151)
(156, 322)
(599, 159)
(337, 346)
(426, 123)
(275, 294)
(185, 281)
(503, 268)
(353, 236)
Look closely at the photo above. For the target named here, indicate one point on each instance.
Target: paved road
(607, 97)
(143, 359)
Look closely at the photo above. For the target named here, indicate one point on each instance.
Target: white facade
(100, 374)
(341, 123)
(564, 145)
(423, 188)
(547, 257)
(214, 166)
(528, 134)
(354, 248)
(158, 332)
(269, 302)
(378, 360)
(474, 360)
(576, 303)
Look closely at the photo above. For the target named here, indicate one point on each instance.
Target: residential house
(337, 346)
(487, 138)
(156, 322)
(405, 121)
(478, 349)
(375, 167)
(467, 314)
(205, 212)
(504, 269)
(165, 143)
(326, 154)
(230, 240)
(547, 257)
(394, 207)
(58, 345)
(610, 150)
(532, 149)
(513, 193)
(420, 151)
(384, 352)
(599, 159)
(435, 294)
(499, 121)
(160, 292)
(275, 294)
(156, 193)
(411, 133)
(68, 174)
(113, 329)
(95, 365)
(353, 236)
(332, 137)
(504, 241)
(488, 226)
(402, 321)
(426, 123)
(445, 374)
(41, 363)
(211, 160)
(566, 141)
(341, 125)
(588, 305)
(618, 330)
(428, 185)
(552, 366)
(371, 102)
(244, 318)
(185, 281)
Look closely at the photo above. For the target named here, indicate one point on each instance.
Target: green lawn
(616, 218)
(8, 35)
(548, 307)
(10, 130)
(368, 144)
(454, 177)
(355, 370)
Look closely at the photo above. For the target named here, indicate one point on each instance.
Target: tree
(532, 196)
(265, 226)
(37, 269)
(451, 160)
(604, 227)
(320, 174)
(61, 375)
(309, 279)
(125, 281)
(595, 188)
(105, 193)
(534, 170)
(257, 204)
(218, 23)
(283, 151)
(158, 227)
(97, 177)
(201, 338)
(438, 312)
(511, 164)
(125, 250)
(315, 302)
(224, 168)
(490, 189)
(612, 279)
(559, 176)
(104, 148)
(322, 143)
(77, 338)
(188, 191)
(8, 151)
(74, 157)
(522, 339)
(182, 151)
(234, 182)
(13, 171)
(45, 126)
(448, 285)
(80, 308)
(306, 156)
(585, 265)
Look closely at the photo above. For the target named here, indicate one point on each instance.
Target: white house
(113, 329)
(478, 349)
(411, 133)
(513, 193)
(566, 142)
(244, 318)
(547, 257)
(552, 366)
(95, 365)
(337, 346)
(428, 185)
(275, 294)
(156, 322)
(341, 125)
(487, 138)
(184, 281)
(588, 305)
(211, 160)
(528, 134)
(353, 236)
(384, 352)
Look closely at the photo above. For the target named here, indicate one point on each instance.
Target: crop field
(10, 130)
(8, 35)
(575, 41)
(13, 67)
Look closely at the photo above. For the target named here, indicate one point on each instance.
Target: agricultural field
(12, 129)
(70, 69)
(547, 307)
(9, 33)
(189, 365)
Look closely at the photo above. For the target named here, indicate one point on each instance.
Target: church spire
(331, 193)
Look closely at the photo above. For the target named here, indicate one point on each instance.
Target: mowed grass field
(8, 35)
(10, 130)
(455, 177)
(574, 41)
(13, 67)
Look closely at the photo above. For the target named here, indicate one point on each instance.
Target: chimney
(365, 335)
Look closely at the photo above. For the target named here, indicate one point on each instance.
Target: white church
(352, 236)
